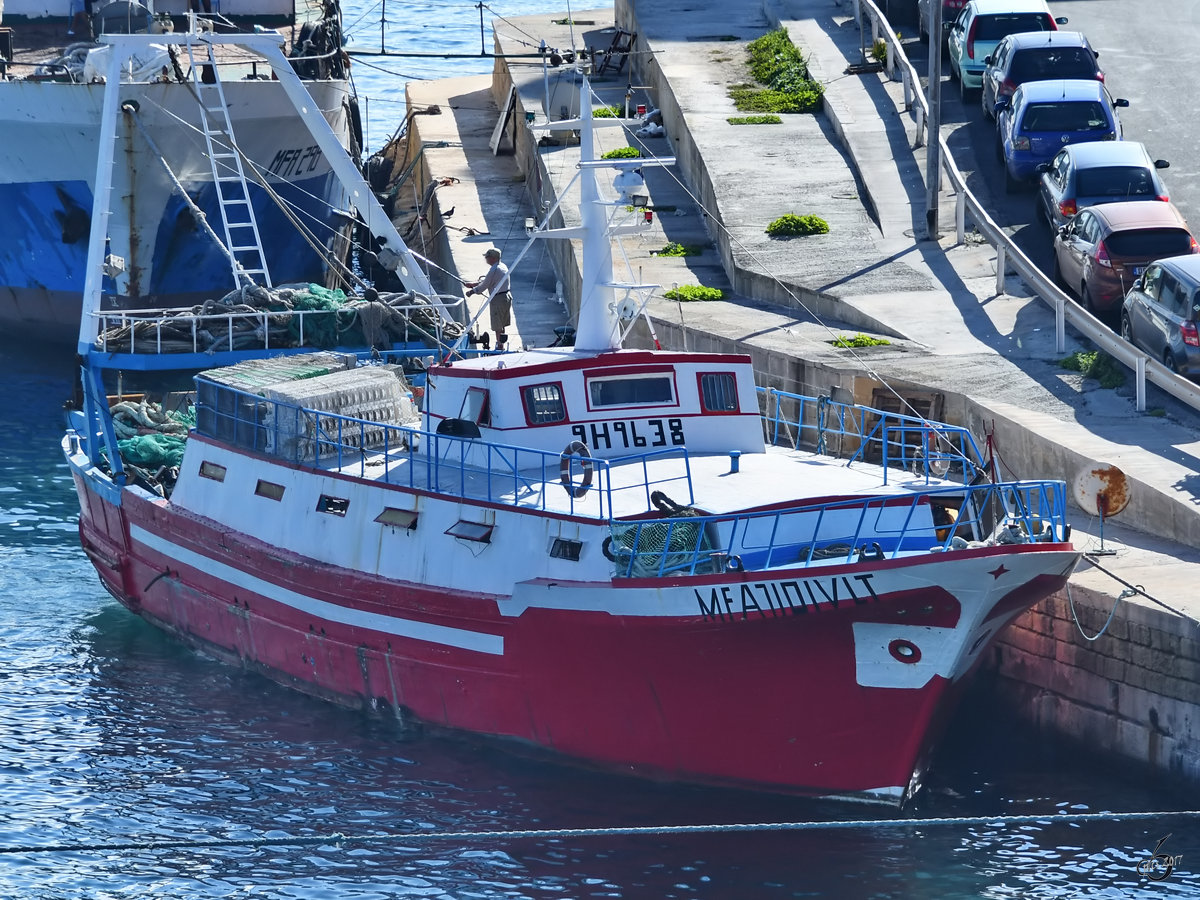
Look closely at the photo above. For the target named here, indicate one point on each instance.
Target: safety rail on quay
(1007, 252)
(842, 531)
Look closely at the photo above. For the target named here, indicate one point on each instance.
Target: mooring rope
(624, 831)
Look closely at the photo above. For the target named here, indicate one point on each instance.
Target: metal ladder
(242, 240)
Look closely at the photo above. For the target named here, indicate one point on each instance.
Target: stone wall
(1133, 692)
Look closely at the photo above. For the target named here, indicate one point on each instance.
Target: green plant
(694, 292)
(859, 340)
(676, 249)
(879, 50)
(792, 225)
(755, 120)
(608, 112)
(784, 84)
(622, 153)
(1097, 365)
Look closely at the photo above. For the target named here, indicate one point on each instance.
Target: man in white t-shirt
(496, 280)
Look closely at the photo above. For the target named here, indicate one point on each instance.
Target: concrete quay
(987, 360)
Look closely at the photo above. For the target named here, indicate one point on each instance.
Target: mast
(597, 329)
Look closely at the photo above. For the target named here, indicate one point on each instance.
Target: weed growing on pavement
(1097, 365)
(792, 225)
(608, 112)
(622, 153)
(677, 249)
(784, 84)
(859, 341)
(755, 120)
(690, 292)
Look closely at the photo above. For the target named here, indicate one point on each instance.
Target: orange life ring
(573, 450)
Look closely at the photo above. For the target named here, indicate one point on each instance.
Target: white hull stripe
(419, 631)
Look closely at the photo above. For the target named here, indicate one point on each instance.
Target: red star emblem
(996, 573)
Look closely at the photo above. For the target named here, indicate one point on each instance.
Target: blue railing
(863, 434)
(933, 521)
(453, 465)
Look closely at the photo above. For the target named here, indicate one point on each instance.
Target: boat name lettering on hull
(634, 433)
(774, 598)
(296, 161)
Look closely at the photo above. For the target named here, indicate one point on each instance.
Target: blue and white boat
(50, 107)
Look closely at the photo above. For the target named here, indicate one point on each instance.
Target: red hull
(768, 701)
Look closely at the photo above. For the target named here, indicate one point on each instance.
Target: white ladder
(242, 239)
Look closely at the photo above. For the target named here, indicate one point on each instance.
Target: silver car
(1161, 311)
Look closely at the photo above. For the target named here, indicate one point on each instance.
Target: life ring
(572, 450)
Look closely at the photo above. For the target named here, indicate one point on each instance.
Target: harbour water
(131, 767)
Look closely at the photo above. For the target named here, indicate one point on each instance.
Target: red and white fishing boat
(636, 559)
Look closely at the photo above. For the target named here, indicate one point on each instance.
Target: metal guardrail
(460, 466)
(844, 531)
(1007, 252)
(166, 331)
(894, 440)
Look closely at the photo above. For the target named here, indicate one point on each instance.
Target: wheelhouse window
(475, 407)
(544, 404)
(633, 390)
(718, 392)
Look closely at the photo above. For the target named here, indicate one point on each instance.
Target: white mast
(597, 328)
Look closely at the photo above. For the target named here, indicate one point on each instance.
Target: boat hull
(48, 161)
(830, 684)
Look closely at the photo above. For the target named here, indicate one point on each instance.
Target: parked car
(1097, 172)
(1042, 116)
(1035, 56)
(1101, 251)
(1161, 312)
(982, 24)
(950, 11)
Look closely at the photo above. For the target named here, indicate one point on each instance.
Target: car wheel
(963, 91)
(999, 147)
(1056, 272)
(1168, 360)
(1126, 329)
(984, 105)
(1087, 300)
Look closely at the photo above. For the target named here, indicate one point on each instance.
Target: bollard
(735, 461)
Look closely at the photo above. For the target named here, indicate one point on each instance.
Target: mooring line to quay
(620, 831)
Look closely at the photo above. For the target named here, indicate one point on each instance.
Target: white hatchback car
(982, 24)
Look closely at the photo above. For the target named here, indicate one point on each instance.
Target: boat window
(475, 407)
(212, 470)
(269, 490)
(335, 506)
(399, 518)
(631, 391)
(718, 392)
(471, 531)
(544, 403)
(564, 548)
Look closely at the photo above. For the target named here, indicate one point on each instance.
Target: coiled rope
(629, 831)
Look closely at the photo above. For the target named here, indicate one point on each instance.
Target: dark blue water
(112, 734)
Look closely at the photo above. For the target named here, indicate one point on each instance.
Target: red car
(1102, 249)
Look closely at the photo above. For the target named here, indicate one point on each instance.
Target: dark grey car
(1088, 174)
(1161, 311)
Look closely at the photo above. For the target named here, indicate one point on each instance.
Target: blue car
(1042, 117)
